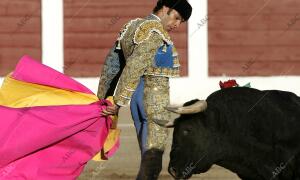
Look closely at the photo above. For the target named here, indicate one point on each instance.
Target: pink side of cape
(32, 71)
(52, 142)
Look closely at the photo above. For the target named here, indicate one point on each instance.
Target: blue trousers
(139, 116)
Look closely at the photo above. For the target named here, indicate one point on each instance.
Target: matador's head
(172, 13)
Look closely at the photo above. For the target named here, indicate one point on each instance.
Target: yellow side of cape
(17, 94)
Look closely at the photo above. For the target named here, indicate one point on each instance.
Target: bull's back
(271, 116)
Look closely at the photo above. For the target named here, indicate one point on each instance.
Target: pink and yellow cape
(50, 125)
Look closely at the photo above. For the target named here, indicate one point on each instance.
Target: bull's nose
(172, 171)
(175, 173)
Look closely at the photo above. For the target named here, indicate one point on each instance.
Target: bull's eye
(186, 132)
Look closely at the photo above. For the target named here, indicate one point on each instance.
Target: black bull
(255, 134)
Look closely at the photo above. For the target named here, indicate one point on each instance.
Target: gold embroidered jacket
(143, 49)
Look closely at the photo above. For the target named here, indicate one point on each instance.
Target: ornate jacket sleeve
(111, 69)
(136, 64)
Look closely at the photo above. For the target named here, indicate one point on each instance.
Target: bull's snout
(176, 175)
(172, 171)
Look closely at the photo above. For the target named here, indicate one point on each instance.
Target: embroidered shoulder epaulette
(144, 30)
(124, 30)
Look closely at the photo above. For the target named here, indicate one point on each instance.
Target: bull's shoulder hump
(245, 93)
(283, 95)
(235, 91)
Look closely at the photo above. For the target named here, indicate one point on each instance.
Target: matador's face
(171, 19)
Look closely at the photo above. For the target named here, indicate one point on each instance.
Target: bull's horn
(198, 106)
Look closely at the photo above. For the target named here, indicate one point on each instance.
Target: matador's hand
(111, 110)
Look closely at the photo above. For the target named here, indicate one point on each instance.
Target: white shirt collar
(156, 17)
